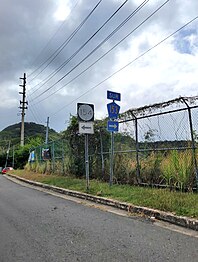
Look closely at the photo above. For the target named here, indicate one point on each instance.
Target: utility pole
(47, 131)
(7, 155)
(23, 107)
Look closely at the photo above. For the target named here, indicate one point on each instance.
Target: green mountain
(13, 133)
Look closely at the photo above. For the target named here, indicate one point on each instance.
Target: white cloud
(168, 71)
(63, 10)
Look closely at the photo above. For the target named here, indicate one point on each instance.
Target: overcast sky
(32, 33)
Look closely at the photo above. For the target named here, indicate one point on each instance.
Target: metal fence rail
(164, 127)
(156, 144)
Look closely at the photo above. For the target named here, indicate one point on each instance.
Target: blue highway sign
(112, 126)
(113, 110)
(113, 96)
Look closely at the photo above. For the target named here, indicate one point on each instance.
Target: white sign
(86, 127)
(85, 112)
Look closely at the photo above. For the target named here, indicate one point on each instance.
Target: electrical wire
(53, 36)
(35, 116)
(137, 27)
(101, 43)
(43, 82)
(128, 64)
(64, 44)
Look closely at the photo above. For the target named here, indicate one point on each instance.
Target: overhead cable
(43, 82)
(128, 64)
(101, 43)
(145, 20)
(53, 36)
(64, 44)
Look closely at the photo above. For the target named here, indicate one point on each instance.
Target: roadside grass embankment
(179, 203)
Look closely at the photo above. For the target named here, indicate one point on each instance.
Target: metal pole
(111, 159)
(63, 157)
(7, 154)
(101, 149)
(137, 151)
(193, 141)
(87, 161)
(53, 157)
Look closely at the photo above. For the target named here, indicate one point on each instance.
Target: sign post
(112, 125)
(85, 114)
(87, 161)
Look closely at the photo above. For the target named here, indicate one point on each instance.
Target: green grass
(179, 203)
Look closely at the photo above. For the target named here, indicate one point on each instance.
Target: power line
(76, 52)
(52, 37)
(35, 116)
(128, 64)
(101, 43)
(64, 44)
(145, 20)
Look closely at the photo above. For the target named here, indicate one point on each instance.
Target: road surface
(37, 226)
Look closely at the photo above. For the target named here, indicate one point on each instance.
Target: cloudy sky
(75, 50)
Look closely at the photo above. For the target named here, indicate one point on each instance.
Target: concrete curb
(186, 222)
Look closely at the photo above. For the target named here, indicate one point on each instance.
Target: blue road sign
(113, 96)
(113, 110)
(112, 126)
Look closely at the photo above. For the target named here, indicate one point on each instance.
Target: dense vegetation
(173, 168)
(10, 148)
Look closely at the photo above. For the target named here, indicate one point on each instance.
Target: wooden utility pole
(23, 107)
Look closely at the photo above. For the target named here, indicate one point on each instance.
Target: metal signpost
(112, 125)
(85, 114)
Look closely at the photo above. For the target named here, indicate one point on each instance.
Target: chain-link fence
(165, 142)
(156, 145)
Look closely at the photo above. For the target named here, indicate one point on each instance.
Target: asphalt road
(37, 226)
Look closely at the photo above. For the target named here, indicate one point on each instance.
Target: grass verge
(182, 204)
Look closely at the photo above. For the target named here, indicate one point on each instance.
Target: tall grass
(177, 169)
(174, 168)
(150, 168)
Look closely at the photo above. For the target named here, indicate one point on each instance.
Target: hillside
(13, 133)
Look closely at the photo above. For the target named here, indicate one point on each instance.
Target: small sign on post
(86, 127)
(113, 96)
(85, 114)
(113, 110)
(112, 126)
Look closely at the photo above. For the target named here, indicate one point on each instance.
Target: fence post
(101, 150)
(63, 157)
(53, 157)
(192, 139)
(137, 150)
